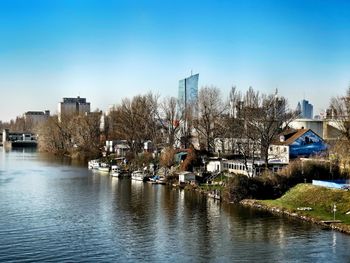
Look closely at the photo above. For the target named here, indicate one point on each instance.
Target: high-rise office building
(71, 106)
(188, 101)
(188, 91)
(305, 109)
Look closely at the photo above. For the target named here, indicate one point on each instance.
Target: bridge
(18, 139)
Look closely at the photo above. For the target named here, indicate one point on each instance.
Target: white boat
(115, 171)
(104, 167)
(93, 164)
(138, 176)
(161, 180)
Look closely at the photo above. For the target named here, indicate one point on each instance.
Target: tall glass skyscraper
(188, 91)
(306, 109)
(188, 103)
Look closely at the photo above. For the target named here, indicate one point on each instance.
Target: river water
(55, 211)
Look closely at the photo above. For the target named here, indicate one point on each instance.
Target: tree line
(251, 120)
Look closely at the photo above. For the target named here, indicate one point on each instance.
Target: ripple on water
(68, 214)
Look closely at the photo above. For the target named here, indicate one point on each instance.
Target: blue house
(294, 144)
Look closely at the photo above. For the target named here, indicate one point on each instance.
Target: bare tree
(170, 115)
(86, 133)
(54, 136)
(210, 111)
(269, 117)
(255, 121)
(245, 139)
(135, 121)
(341, 109)
(77, 135)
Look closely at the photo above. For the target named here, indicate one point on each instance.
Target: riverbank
(312, 204)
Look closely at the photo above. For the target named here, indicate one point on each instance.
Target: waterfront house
(187, 177)
(295, 144)
(253, 168)
(122, 148)
(214, 165)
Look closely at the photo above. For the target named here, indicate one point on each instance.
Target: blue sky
(107, 50)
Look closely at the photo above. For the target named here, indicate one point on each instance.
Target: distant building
(327, 129)
(188, 91)
(36, 117)
(305, 109)
(71, 106)
(188, 99)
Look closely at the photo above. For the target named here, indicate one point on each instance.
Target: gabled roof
(290, 136)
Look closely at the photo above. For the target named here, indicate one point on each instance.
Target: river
(52, 210)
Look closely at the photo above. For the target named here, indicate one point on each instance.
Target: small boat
(115, 171)
(104, 167)
(161, 180)
(138, 176)
(153, 180)
(93, 164)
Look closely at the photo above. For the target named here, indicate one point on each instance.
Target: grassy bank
(319, 199)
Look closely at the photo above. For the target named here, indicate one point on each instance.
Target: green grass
(320, 199)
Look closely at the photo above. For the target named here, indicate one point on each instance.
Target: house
(295, 144)
(120, 147)
(238, 167)
(187, 177)
(234, 146)
(328, 129)
(214, 165)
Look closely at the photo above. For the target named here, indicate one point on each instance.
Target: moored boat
(138, 176)
(161, 180)
(104, 167)
(115, 171)
(93, 164)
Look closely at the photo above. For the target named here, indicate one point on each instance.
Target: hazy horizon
(107, 50)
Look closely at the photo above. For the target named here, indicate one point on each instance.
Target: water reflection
(80, 215)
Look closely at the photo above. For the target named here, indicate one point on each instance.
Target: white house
(238, 167)
(214, 165)
(186, 177)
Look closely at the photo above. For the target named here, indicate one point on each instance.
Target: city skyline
(108, 50)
